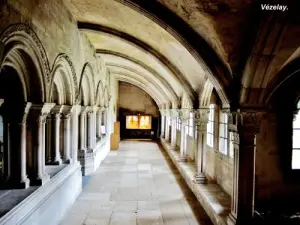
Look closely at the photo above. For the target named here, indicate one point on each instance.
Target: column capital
(39, 112)
(162, 112)
(201, 118)
(76, 109)
(43, 108)
(174, 113)
(184, 113)
(249, 120)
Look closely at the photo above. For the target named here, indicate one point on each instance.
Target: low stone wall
(90, 161)
(213, 199)
(49, 203)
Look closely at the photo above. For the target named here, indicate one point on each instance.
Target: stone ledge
(48, 204)
(212, 198)
(90, 161)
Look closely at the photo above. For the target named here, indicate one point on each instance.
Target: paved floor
(136, 185)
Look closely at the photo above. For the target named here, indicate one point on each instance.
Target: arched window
(223, 133)
(296, 140)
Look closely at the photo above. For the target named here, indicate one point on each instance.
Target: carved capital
(184, 114)
(42, 118)
(57, 116)
(235, 138)
(66, 116)
(174, 113)
(90, 113)
(246, 120)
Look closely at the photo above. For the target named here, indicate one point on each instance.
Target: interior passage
(136, 185)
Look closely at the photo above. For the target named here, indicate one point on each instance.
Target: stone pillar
(90, 130)
(6, 150)
(75, 111)
(244, 127)
(174, 115)
(57, 157)
(201, 118)
(38, 116)
(67, 136)
(49, 139)
(82, 138)
(99, 123)
(162, 132)
(167, 129)
(184, 116)
(17, 175)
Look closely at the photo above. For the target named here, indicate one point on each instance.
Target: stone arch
(100, 94)
(186, 103)
(205, 96)
(63, 72)
(286, 74)
(25, 54)
(87, 85)
(106, 96)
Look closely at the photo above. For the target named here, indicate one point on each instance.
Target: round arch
(64, 77)
(87, 85)
(24, 52)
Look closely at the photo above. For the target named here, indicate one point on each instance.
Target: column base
(40, 180)
(200, 179)
(231, 220)
(57, 162)
(68, 161)
(182, 159)
(16, 183)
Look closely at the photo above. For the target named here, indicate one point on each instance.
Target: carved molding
(73, 71)
(17, 28)
(250, 120)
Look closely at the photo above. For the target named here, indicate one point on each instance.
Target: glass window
(210, 126)
(296, 142)
(223, 133)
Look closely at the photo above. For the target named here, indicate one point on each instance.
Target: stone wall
(219, 168)
(135, 99)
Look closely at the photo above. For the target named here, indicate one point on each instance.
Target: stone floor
(137, 184)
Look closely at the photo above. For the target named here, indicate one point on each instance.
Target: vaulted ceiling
(171, 48)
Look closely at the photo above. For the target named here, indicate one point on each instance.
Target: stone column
(167, 130)
(90, 131)
(67, 136)
(75, 111)
(17, 148)
(184, 116)
(244, 127)
(201, 118)
(49, 138)
(162, 132)
(99, 123)
(82, 138)
(57, 156)
(39, 115)
(174, 115)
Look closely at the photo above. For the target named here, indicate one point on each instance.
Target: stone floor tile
(135, 185)
(123, 218)
(149, 217)
(148, 205)
(125, 206)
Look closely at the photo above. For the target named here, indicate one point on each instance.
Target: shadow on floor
(195, 205)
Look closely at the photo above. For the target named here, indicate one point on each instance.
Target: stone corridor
(136, 185)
